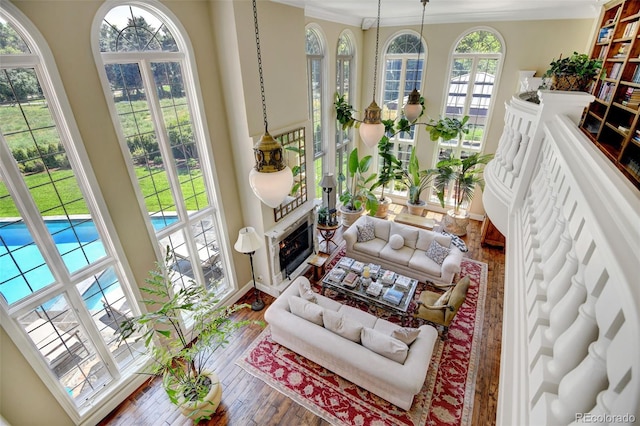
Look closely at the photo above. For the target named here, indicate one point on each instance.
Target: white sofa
(410, 258)
(393, 381)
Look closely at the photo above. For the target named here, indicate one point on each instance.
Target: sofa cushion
(372, 248)
(327, 303)
(384, 345)
(307, 310)
(406, 335)
(424, 239)
(396, 241)
(304, 288)
(382, 228)
(357, 315)
(342, 326)
(437, 252)
(409, 233)
(366, 231)
(420, 262)
(401, 256)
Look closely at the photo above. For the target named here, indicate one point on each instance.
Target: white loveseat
(403, 249)
(396, 382)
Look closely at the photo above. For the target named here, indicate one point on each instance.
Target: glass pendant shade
(271, 180)
(413, 108)
(372, 129)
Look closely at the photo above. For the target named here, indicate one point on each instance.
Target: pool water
(24, 271)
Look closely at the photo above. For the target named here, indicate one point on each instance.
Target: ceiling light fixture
(270, 179)
(413, 108)
(372, 129)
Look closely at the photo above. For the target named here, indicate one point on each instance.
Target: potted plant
(465, 174)
(447, 128)
(358, 195)
(573, 73)
(323, 215)
(416, 181)
(181, 358)
(391, 167)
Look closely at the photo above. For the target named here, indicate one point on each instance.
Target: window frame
(343, 144)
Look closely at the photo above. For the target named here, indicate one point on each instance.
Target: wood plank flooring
(248, 401)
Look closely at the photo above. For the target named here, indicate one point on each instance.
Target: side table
(327, 232)
(317, 262)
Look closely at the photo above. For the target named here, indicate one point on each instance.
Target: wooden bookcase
(611, 121)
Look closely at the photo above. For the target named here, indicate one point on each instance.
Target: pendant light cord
(424, 6)
(375, 69)
(264, 101)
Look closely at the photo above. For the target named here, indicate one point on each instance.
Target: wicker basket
(570, 82)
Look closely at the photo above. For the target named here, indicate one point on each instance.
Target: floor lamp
(248, 242)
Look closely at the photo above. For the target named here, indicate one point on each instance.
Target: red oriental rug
(446, 397)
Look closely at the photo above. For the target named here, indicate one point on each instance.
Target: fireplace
(295, 248)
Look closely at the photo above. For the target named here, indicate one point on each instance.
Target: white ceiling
(363, 13)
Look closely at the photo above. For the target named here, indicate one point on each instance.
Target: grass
(48, 195)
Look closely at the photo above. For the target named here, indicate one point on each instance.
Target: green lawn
(65, 184)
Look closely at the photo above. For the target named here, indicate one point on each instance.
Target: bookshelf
(612, 120)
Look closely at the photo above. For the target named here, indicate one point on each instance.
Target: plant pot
(416, 209)
(209, 404)
(456, 224)
(383, 207)
(350, 216)
(570, 82)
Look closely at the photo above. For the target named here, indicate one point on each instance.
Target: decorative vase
(416, 209)
(456, 224)
(383, 207)
(350, 216)
(208, 405)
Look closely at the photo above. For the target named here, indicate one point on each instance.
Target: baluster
(564, 313)
(558, 286)
(516, 138)
(517, 162)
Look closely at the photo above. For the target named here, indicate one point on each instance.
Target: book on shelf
(403, 282)
(374, 289)
(350, 280)
(357, 267)
(337, 274)
(388, 277)
(393, 296)
(346, 262)
(615, 71)
(630, 29)
(636, 75)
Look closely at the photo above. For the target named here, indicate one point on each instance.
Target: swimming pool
(24, 271)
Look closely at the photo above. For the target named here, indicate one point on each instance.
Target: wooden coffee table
(418, 221)
(358, 291)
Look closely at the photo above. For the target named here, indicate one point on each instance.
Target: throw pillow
(406, 334)
(342, 326)
(444, 299)
(366, 232)
(396, 241)
(307, 310)
(437, 252)
(384, 345)
(304, 288)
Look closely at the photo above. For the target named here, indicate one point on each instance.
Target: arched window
(402, 73)
(146, 67)
(345, 63)
(63, 289)
(316, 79)
(475, 70)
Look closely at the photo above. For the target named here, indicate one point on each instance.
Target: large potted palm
(182, 358)
(390, 167)
(461, 176)
(358, 195)
(416, 181)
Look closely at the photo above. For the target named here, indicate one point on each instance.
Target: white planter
(456, 224)
(416, 209)
(210, 403)
(348, 216)
(383, 208)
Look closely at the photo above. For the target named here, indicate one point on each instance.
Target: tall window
(153, 98)
(63, 291)
(344, 86)
(316, 79)
(475, 68)
(402, 73)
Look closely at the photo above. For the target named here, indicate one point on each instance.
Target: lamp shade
(328, 181)
(248, 240)
(413, 108)
(271, 188)
(372, 129)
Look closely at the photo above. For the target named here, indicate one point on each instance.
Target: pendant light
(413, 108)
(372, 129)
(270, 179)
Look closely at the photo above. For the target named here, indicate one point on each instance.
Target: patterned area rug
(447, 394)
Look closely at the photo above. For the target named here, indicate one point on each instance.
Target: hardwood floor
(248, 401)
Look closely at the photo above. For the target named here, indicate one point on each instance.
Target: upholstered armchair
(439, 309)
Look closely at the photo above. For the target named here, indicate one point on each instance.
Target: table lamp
(248, 242)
